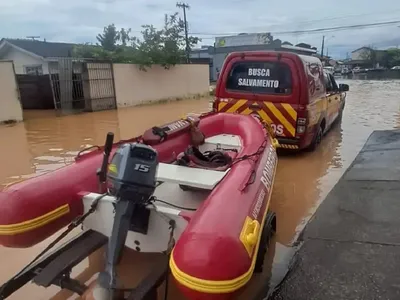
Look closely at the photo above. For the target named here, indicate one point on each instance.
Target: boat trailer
(55, 269)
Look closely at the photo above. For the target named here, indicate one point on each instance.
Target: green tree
(164, 46)
(121, 54)
(124, 36)
(393, 57)
(109, 38)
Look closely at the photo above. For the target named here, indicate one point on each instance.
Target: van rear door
(267, 85)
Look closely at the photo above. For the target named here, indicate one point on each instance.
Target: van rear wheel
(317, 140)
(341, 113)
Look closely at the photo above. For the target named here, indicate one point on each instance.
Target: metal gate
(99, 77)
(81, 85)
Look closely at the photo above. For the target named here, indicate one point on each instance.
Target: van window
(328, 83)
(334, 83)
(260, 77)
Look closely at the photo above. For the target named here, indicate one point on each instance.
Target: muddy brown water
(44, 143)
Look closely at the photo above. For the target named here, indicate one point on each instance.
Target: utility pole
(323, 45)
(185, 6)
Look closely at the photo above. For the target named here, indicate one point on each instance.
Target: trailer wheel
(268, 231)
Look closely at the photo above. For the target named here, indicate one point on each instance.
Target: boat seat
(225, 141)
(193, 177)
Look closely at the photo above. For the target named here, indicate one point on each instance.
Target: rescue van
(291, 92)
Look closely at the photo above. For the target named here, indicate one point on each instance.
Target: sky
(81, 20)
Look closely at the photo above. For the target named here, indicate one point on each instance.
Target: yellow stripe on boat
(18, 228)
(220, 286)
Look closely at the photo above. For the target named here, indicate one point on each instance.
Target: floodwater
(44, 143)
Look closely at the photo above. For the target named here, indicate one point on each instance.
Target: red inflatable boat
(32, 210)
(225, 182)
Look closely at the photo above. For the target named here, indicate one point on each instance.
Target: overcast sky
(81, 20)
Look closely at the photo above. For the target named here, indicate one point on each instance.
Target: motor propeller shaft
(123, 214)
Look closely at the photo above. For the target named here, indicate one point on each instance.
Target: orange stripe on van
(291, 111)
(274, 113)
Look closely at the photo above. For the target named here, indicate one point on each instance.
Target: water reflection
(374, 75)
(278, 262)
(15, 153)
(297, 186)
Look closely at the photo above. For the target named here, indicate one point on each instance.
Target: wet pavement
(45, 142)
(351, 248)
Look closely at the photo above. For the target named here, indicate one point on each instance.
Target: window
(328, 83)
(260, 78)
(34, 70)
(335, 86)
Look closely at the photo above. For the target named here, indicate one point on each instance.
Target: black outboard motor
(132, 180)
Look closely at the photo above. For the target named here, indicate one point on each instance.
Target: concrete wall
(360, 54)
(22, 59)
(134, 87)
(10, 106)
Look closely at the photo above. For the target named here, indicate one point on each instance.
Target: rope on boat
(262, 147)
(78, 221)
(155, 199)
(259, 151)
(87, 149)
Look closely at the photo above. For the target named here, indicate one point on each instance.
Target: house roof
(360, 49)
(42, 48)
(308, 50)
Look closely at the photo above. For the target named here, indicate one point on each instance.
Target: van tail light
(301, 125)
(301, 121)
(300, 129)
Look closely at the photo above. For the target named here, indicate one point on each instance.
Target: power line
(316, 30)
(338, 28)
(294, 23)
(339, 17)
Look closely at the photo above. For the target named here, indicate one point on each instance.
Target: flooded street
(44, 143)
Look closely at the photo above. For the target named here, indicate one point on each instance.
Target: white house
(31, 56)
(360, 53)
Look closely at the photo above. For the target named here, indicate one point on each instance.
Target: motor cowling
(132, 172)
